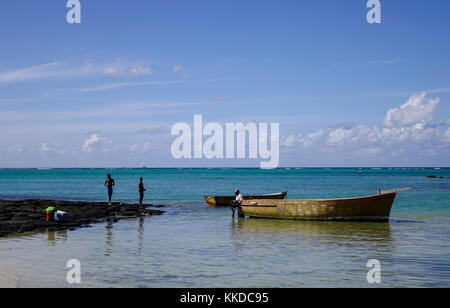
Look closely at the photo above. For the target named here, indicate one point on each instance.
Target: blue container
(60, 216)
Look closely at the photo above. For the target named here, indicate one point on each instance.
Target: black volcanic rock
(29, 216)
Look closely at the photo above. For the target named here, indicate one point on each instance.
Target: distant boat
(225, 200)
(372, 208)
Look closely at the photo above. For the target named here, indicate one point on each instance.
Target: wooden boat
(225, 200)
(371, 208)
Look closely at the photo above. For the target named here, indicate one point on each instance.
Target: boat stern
(210, 200)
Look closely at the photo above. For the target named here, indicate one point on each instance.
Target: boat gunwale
(245, 196)
(319, 200)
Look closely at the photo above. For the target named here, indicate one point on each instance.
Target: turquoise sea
(192, 245)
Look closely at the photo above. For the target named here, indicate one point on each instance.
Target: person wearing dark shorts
(109, 183)
(236, 204)
(141, 190)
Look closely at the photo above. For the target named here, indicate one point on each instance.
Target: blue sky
(106, 92)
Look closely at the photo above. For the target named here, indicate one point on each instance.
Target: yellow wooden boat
(371, 208)
(225, 200)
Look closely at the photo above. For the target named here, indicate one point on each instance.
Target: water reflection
(55, 236)
(324, 232)
(141, 232)
(109, 237)
(235, 230)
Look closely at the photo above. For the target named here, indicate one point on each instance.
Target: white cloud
(157, 130)
(385, 61)
(141, 148)
(418, 109)
(404, 132)
(290, 141)
(96, 143)
(89, 144)
(179, 69)
(447, 135)
(47, 148)
(43, 71)
(17, 149)
(87, 67)
(52, 70)
(119, 85)
(121, 68)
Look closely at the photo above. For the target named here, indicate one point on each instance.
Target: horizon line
(212, 168)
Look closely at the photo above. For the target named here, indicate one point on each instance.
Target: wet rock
(29, 216)
(437, 177)
(153, 205)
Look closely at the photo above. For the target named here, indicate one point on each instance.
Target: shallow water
(195, 246)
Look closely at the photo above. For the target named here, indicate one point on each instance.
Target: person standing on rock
(141, 190)
(109, 183)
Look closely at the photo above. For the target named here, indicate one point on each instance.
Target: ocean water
(192, 245)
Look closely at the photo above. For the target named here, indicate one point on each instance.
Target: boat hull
(225, 200)
(372, 208)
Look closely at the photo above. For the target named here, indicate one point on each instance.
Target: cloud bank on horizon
(405, 131)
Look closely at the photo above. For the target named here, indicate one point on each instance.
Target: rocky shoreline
(437, 177)
(28, 215)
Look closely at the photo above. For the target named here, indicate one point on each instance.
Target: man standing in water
(141, 190)
(109, 183)
(237, 203)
